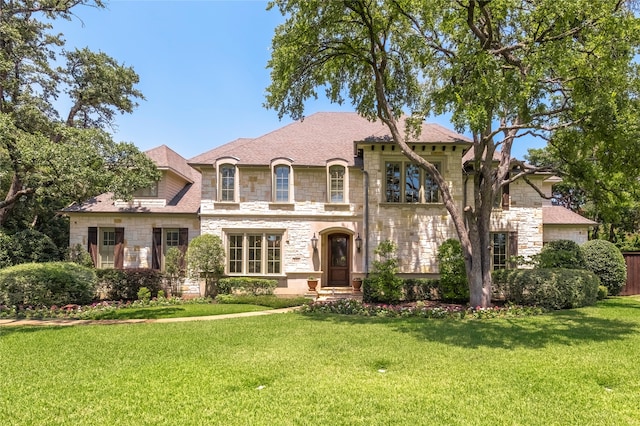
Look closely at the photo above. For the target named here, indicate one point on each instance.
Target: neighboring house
(315, 198)
(137, 234)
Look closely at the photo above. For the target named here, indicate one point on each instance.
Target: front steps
(334, 293)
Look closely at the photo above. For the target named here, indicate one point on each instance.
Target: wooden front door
(339, 260)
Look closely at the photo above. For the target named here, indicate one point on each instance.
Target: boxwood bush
(454, 286)
(561, 254)
(124, 284)
(606, 261)
(547, 288)
(245, 285)
(47, 284)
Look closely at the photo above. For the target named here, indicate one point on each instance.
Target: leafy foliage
(79, 255)
(174, 261)
(124, 284)
(548, 288)
(383, 285)
(605, 260)
(47, 284)
(50, 158)
(453, 277)
(246, 285)
(561, 254)
(205, 259)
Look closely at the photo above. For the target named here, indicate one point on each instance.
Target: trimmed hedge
(606, 261)
(548, 288)
(244, 285)
(561, 254)
(47, 284)
(124, 284)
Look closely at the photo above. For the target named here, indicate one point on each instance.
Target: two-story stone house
(315, 198)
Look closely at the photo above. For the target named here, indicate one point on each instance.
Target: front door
(339, 260)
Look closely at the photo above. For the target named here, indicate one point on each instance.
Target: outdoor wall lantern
(358, 242)
(314, 242)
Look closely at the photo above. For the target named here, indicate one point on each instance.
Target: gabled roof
(167, 159)
(558, 215)
(317, 138)
(185, 201)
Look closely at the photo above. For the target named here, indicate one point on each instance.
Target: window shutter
(118, 250)
(183, 243)
(505, 197)
(512, 248)
(92, 244)
(156, 248)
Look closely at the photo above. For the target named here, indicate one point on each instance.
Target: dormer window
(337, 178)
(227, 179)
(282, 181)
(148, 192)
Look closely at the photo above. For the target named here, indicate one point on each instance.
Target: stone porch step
(336, 293)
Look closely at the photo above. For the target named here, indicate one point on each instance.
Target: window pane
(107, 246)
(336, 179)
(149, 192)
(273, 254)
(499, 243)
(282, 183)
(254, 251)
(235, 254)
(393, 182)
(227, 182)
(431, 193)
(412, 183)
(172, 238)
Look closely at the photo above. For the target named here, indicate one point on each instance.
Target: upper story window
(148, 192)
(337, 178)
(227, 179)
(407, 183)
(282, 181)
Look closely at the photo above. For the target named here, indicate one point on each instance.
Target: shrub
(205, 259)
(124, 284)
(144, 294)
(414, 289)
(561, 254)
(6, 250)
(383, 285)
(548, 288)
(174, 261)
(606, 261)
(603, 292)
(79, 255)
(30, 245)
(254, 286)
(453, 276)
(47, 284)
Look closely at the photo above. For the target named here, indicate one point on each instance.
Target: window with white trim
(499, 250)
(336, 184)
(254, 253)
(406, 182)
(227, 178)
(282, 179)
(107, 247)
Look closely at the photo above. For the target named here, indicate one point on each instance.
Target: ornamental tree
(502, 69)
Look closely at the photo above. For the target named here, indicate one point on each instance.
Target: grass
(577, 367)
(176, 311)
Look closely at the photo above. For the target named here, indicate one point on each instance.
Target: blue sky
(202, 68)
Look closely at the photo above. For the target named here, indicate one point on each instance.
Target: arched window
(227, 179)
(282, 181)
(337, 181)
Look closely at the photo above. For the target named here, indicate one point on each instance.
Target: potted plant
(356, 283)
(312, 282)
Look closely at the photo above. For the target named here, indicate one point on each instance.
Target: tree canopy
(50, 157)
(502, 69)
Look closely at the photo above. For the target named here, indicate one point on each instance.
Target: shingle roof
(317, 138)
(186, 201)
(558, 215)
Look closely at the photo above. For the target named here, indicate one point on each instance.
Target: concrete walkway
(65, 322)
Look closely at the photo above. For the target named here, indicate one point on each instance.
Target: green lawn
(578, 367)
(177, 311)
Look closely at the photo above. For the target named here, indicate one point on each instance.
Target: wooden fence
(633, 274)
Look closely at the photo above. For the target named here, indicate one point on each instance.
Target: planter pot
(357, 285)
(312, 284)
